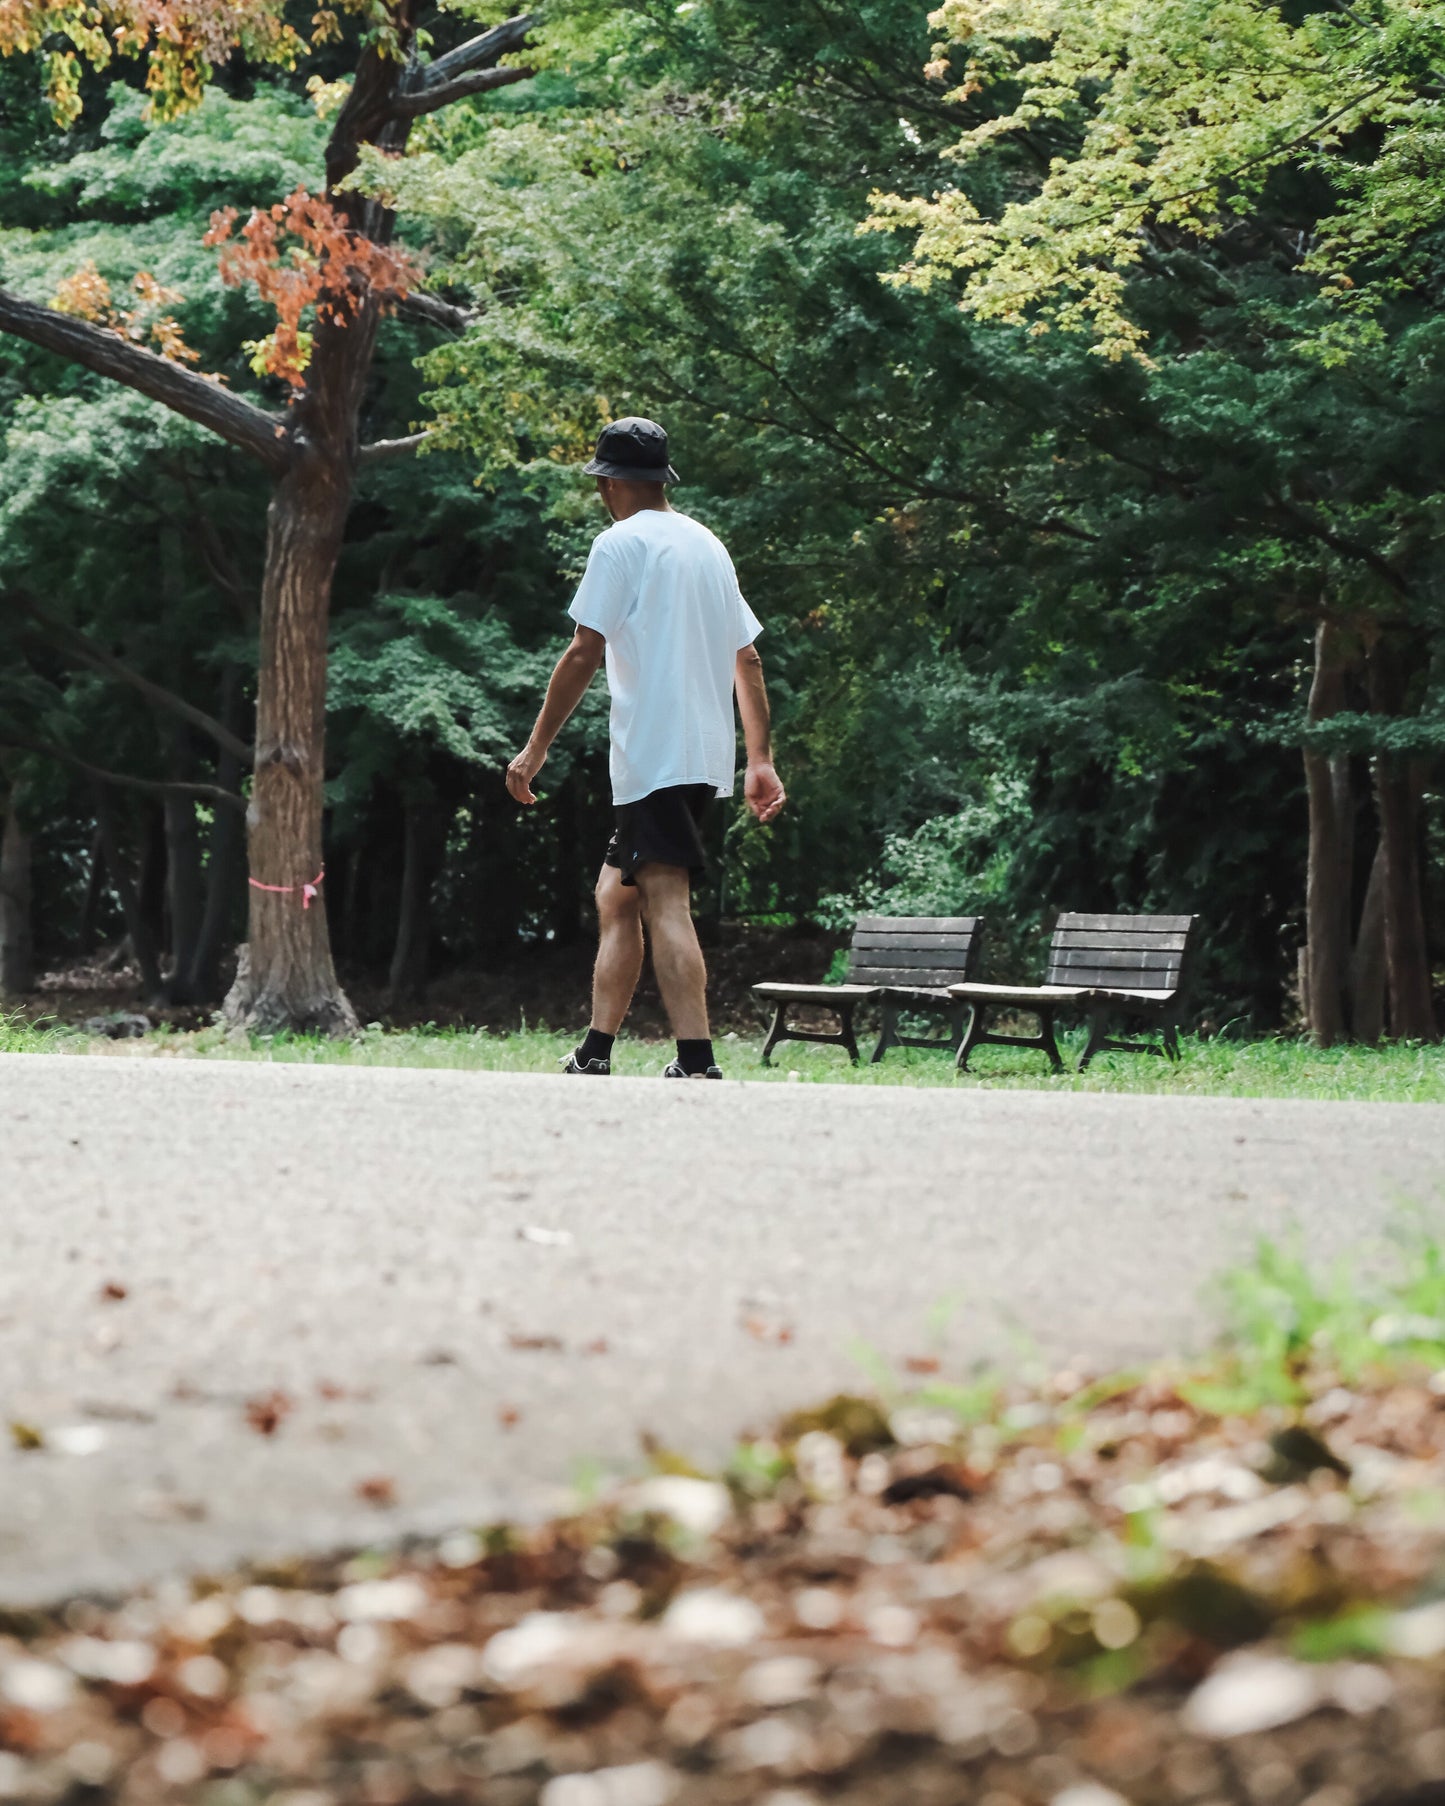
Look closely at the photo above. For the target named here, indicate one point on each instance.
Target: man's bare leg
(619, 950)
(676, 957)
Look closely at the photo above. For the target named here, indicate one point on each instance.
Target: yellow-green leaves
(1115, 132)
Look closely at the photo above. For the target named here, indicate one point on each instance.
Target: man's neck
(624, 507)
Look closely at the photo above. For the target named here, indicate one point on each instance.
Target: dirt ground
(539, 987)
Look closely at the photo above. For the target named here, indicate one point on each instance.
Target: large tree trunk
(1367, 967)
(288, 980)
(1326, 898)
(17, 949)
(1397, 795)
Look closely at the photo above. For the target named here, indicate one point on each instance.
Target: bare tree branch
(211, 793)
(418, 305)
(160, 378)
(484, 51)
(428, 99)
(80, 646)
(380, 450)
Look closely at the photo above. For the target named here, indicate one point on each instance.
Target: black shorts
(663, 828)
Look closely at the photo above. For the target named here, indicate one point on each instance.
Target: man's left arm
(574, 671)
(762, 790)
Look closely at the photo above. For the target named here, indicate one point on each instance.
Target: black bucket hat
(634, 450)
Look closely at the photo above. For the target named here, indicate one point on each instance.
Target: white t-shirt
(662, 591)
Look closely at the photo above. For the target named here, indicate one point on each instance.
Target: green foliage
(1038, 623)
(1125, 128)
(1284, 1316)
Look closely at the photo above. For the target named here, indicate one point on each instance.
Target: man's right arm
(574, 671)
(762, 790)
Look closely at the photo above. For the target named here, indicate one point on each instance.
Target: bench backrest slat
(1126, 953)
(919, 952)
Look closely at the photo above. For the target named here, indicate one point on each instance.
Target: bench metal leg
(1097, 1038)
(783, 1031)
(888, 1034)
(978, 1035)
(1100, 1041)
(1047, 1041)
(956, 1027)
(778, 1032)
(977, 1024)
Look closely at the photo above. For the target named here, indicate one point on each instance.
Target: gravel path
(464, 1288)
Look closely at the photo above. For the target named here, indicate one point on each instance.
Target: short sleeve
(748, 624)
(603, 596)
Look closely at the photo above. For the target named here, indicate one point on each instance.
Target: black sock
(694, 1056)
(595, 1046)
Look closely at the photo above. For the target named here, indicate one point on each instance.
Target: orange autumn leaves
(87, 296)
(302, 253)
(182, 41)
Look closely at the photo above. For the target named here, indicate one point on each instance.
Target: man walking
(660, 601)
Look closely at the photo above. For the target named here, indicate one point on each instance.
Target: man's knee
(665, 890)
(616, 901)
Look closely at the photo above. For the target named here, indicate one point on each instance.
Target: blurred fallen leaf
(545, 1238)
(599, 1347)
(328, 1389)
(267, 1413)
(113, 1291)
(26, 1436)
(379, 1490)
(509, 1417)
(922, 1363)
(534, 1342)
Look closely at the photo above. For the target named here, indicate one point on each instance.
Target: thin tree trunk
(142, 941)
(407, 977)
(1367, 966)
(17, 946)
(183, 871)
(90, 907)
(1407, 964)
(1326, 910)
(226, 862)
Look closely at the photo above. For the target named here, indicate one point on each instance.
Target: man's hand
(522, 770)
(763, 791)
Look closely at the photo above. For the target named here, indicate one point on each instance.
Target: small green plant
(1283, 1318)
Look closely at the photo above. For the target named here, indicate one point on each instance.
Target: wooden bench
(1103, 966)
(903, 963)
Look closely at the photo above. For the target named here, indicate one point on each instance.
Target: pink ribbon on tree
(308, 891)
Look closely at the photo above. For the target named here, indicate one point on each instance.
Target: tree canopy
(1043, 625)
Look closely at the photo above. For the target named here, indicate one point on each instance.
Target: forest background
(1118, 587)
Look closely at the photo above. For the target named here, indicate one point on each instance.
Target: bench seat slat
(911, 978)
(1143, 959)
(1118, 940)
(1152, 924)
(1104, 968)
(946, 959)
(786, 993)
(912, 940)
(1094, 979)
(923, 924)
(1025, 995)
